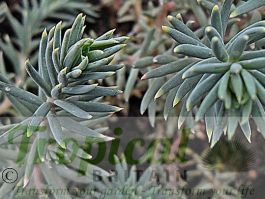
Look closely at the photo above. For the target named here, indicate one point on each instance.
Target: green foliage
(68, 69)
(34, 16)
(127, 180)
(247, 6)
(218, 79)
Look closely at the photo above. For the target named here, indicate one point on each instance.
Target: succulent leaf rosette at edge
(220, 82)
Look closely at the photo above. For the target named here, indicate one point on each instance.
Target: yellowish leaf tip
(80, 15)
(165, 29)
(213, 144)
(116, 41)
(177, 49)
(179, 16)
(233, 14)
(176, 101)
(209, 133)
(249, 138)
(208, 29)
(113, 30)
(44, 33)
(169, 18)
(216, 8)
(159, 93)
(29, 133)
(63, 71)
(180, 124)
(215, 39)
(59, 25)
(110, 74)
(119, 91)
(184, 76)
(63, 145)
(123, 45)
(88, 156)
(119, 109)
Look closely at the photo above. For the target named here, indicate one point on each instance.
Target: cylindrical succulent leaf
(227, 74)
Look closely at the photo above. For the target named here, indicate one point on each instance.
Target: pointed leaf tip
(25, 181)
(176, 50)
(169, 18)
(44, 33)
(63, 145)
(144, 77)
(233, 14)
(216, 8)
(188, 106)
(165, 29)
(176, 101)
(159, 93)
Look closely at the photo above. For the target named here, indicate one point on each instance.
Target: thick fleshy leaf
(56, 129)
(73, 109)
(31, 160)
(168, 68)
(37, 118)
(38, 79)
(171, 83)
(193, 51)
(216, 20)
(150, 93)
(181, 37)
(20, 94)
(200, 90)
(247, 6)
(76, 127)
(180, 26)
(79, 89)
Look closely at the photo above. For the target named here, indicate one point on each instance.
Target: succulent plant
(224, 81)
(34, 16)
(124, 183)
(68, 100)
(246, 7)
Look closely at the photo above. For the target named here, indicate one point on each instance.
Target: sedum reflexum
(68, 102)
(220, 82)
